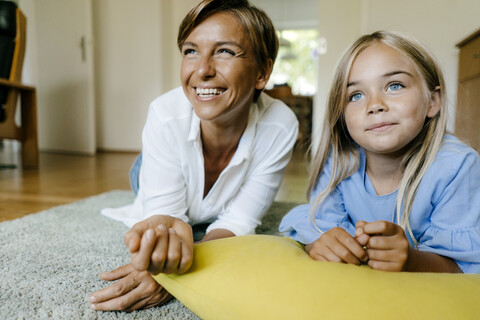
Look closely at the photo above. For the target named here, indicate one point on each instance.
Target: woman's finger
(187, 256)
(118, 289)
(159, 254)
(116, 274)
(174, 252)
(141, 259)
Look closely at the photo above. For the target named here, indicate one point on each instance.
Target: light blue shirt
(445, 217)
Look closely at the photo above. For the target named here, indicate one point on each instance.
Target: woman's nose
(206, 67)
(376, 104)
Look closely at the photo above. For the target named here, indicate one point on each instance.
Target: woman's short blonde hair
(256, 23)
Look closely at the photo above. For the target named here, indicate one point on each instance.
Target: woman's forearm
(217, 234)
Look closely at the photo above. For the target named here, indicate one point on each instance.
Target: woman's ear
(435, 102)
(263, 75)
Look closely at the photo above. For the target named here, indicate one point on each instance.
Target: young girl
(389, 187)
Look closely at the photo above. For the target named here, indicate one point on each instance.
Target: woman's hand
(337, 245)
(387, 246)
(133, 290)
(161, 244)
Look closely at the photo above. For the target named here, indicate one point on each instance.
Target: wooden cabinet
(467, 126)
(302, 106)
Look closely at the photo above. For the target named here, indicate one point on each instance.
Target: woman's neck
(384, 171)
(219, 144)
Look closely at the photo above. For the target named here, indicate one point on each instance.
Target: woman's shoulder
(275, 111)
(171, 105)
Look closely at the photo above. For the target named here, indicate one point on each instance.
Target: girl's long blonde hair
(337, 142)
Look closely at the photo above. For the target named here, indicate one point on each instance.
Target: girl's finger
(382, 227)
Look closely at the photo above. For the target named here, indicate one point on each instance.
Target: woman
(214, 152)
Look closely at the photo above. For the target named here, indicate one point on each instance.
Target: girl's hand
(387, 246)
(161, 244)
(337, 245)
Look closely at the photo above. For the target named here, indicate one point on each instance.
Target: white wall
(440, 24)
(289, 14)
(136, 60)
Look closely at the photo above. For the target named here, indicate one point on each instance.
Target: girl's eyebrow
(392, 73)
(386, 75)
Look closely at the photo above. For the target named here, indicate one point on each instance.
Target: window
(296, 63)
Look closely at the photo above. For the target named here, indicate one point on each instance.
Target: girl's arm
(422, 261)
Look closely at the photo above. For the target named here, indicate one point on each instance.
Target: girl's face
(219, 72)
(386, 102)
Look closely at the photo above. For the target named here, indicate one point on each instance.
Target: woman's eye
(228, 51)
(188, 51)
(355, 96)
(395, 86)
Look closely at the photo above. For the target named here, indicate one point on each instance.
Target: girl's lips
(380, 127)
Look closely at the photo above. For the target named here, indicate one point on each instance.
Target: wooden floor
(64, 178)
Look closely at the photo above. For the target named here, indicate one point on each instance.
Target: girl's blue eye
(356, 96)
(395, 86)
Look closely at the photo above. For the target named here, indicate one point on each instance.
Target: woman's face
(219, 72)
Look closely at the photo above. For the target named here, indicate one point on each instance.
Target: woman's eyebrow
(190, 44)
(228, 43)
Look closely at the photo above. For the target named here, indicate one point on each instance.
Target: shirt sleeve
(300, 225)
(272, 152)
(162, 184)
(454, 229)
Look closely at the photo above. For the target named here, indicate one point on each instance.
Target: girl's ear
(435, 102)
(264, 75)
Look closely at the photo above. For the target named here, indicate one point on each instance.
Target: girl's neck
(384, 171)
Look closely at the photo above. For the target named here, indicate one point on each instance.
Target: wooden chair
(26, 133)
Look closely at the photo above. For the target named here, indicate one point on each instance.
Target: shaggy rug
(50, 261)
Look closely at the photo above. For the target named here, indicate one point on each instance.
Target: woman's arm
(217, 234)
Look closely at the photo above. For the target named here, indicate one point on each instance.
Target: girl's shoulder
(454, 156)
(455, 151)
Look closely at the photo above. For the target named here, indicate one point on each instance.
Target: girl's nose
(376, 104)
(205, 68)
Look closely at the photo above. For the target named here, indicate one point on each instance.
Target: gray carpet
(50, 261)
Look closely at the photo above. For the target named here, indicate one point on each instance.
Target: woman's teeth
(208, 92)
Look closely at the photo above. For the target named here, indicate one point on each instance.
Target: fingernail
(358, 232)
(162, 227)
(171, 230)
(92, 299)
(92, 306)
(149, 234)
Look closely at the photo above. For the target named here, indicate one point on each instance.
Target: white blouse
(172, 173)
